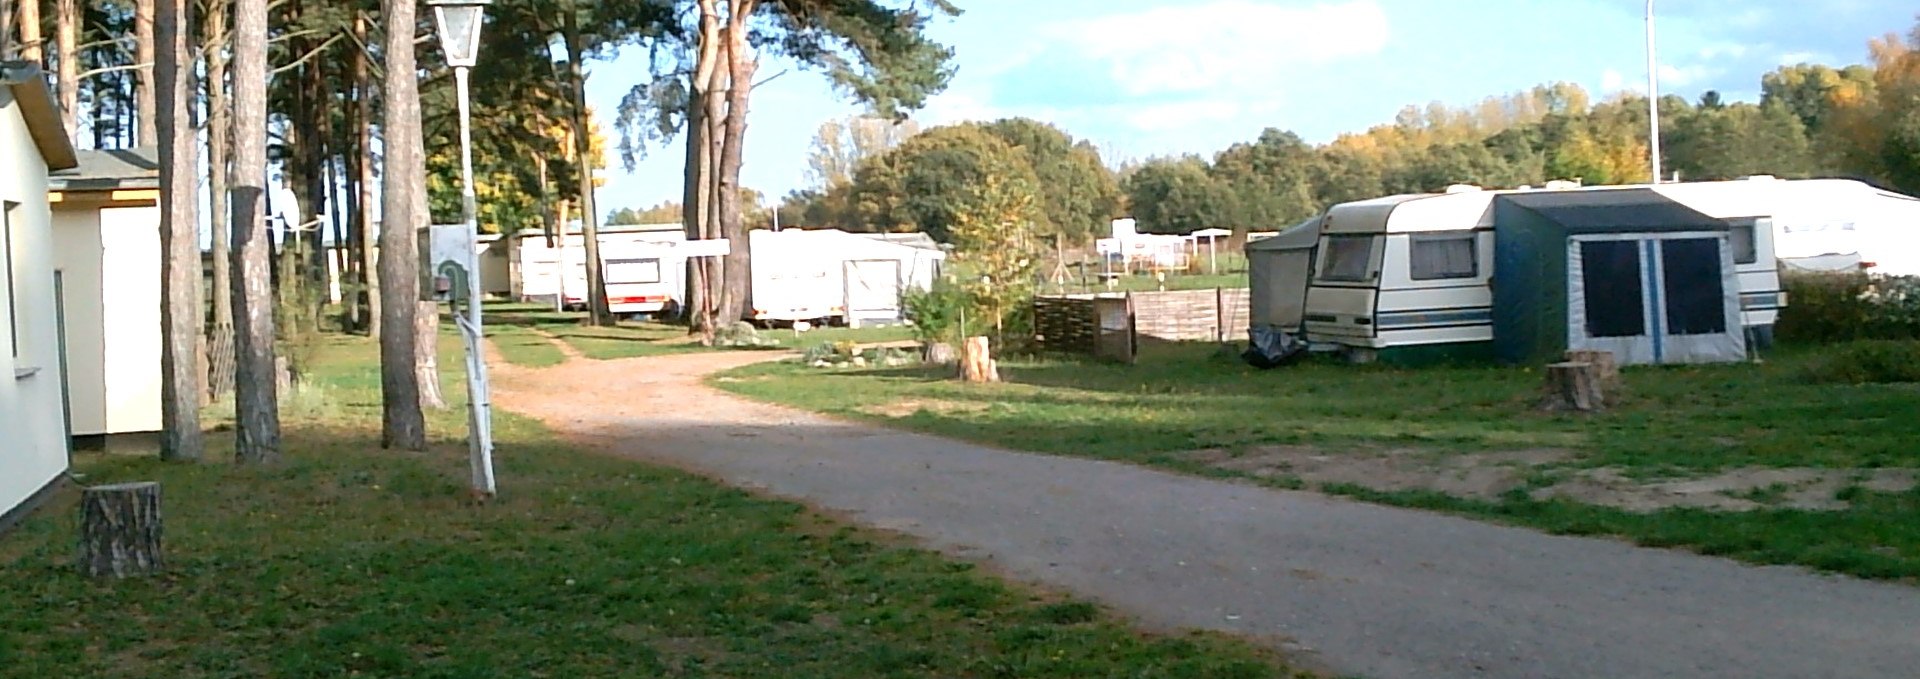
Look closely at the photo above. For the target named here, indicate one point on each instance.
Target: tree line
(1859, 121)
(333, 95)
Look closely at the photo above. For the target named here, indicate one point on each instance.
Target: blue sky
(1152, 77)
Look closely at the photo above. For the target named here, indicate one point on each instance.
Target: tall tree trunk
(698, 208)
(403, 425)
(256, 398)
(180, 313)
(219, 136)
(31, 47)
(363, 177)
(741, 65)
(597, 312)
(66, 26)
(143, 84)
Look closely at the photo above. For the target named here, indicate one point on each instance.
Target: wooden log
(1574, 387)
(940, 353)
(976, 361)
(1606, 371)
(120, 530)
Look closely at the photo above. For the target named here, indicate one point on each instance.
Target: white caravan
(830, 276)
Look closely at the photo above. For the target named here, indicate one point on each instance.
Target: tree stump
(1605, 370)
(940, 353)
(976, 361)
(1574, 386)
(120, 530)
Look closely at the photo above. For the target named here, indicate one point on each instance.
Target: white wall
(76, 254)
(33, 450)
(130, 252)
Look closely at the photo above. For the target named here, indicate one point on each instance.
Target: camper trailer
(644, 275)
(1414, 277)
(831, 276)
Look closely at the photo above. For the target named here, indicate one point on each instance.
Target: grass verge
(351, 560)
(1676, 420)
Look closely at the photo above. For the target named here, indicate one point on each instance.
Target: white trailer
(645, 274)
(832, 276)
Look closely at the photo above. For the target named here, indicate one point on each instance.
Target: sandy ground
(1488, 476)
(1359, 589)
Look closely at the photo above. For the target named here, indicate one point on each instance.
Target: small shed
(33, 437)
(1629, 271)
(106, 249)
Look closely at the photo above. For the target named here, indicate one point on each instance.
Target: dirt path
(1364, 589)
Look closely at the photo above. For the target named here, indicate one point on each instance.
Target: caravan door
(873, 290)
(1655, 298)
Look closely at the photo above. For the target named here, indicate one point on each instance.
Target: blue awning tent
(1623, 270)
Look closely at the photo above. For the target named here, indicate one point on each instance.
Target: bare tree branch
(309, 55)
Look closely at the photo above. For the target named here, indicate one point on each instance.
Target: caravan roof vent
(1760, 178)
(1462, 188)
(1562, 184)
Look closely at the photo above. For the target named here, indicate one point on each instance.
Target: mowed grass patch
(522, 345)
(1675, 420)
(351, 560)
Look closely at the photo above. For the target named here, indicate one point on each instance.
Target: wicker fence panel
(1068, 323)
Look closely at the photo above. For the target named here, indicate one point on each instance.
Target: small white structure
(829, 275)
(1146, 250)
(33, 436)
(106, 250)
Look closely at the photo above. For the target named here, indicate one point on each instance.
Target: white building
(33, 436)
(106, 251)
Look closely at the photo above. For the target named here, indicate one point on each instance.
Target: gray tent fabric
(1278, 272)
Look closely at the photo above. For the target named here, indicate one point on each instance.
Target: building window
(1437, 257)
(1741, 238)
(13, 295)
(1347, 258)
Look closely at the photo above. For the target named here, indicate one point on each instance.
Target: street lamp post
(1653, 98)
(458, 23)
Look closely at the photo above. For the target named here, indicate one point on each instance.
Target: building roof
(915, 239)
(28, 85)
(135, 168)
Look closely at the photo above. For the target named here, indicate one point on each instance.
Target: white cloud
(1181, 115)
(956, 107)
(1682, 76)
(1792, 58)
(1729, 50)
(1612, 81)
(1224, 43)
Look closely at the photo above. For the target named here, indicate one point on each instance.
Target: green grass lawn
(521, 331)
(1676, 420)
(350, 560)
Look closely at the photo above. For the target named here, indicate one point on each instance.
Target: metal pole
(480, 423)
(1653, 97)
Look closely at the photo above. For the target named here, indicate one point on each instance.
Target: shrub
(935, 313)
(1868, 362)
(1839, 307)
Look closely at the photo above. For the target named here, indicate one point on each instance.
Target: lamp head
(458, 25)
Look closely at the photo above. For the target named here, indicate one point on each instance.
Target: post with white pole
(459, 28)
(1653, 97)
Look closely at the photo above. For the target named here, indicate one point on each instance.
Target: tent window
(1695, 302)
(1742, 239)
(7, 248)
(1444, 256)
(1348, 258)
(1610, 274)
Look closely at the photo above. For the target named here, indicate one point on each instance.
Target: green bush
(1868, 362)
(936, 313)
(1840, 307)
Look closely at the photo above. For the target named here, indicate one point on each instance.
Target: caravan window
(633, 270)
(1439, 256)
(1741, 238)
(1347, 258)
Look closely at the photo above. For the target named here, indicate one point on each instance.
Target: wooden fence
(1069, 323)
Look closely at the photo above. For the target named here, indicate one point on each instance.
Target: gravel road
(1346, 586)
